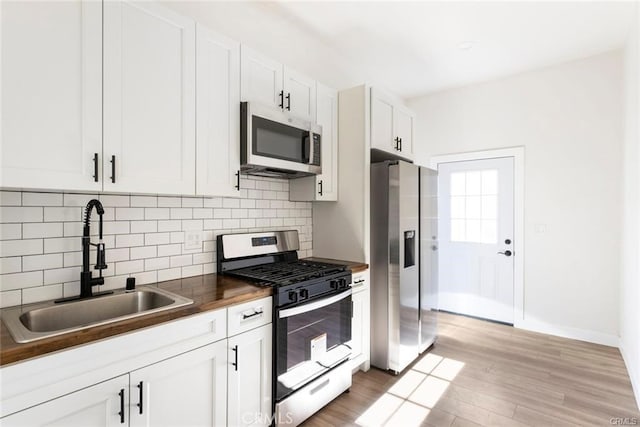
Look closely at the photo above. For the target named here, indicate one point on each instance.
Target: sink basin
(26, 325)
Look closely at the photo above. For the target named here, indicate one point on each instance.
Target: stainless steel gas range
(312, 313)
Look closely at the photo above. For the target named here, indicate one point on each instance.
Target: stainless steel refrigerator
(403, 263)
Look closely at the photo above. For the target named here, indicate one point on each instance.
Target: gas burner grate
(285, 273)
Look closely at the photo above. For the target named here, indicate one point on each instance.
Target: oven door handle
(313, 305)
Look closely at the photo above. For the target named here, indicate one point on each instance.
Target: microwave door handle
(305, 308)
(306, 148)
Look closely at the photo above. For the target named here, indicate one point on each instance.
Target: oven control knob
(343, 283)
(334, 284)
(293, 296)
(304, 294)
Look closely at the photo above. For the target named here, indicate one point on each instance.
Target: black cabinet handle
(95, 167)
(397, 141)
(281, 105)
(400, 143)
(140, 391)
(320, 185)
(249, 316)
(121, 413)
(235, 363)
(237, 181)
(113, 169)
(289, 101)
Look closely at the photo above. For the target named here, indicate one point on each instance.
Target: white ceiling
(412, 48)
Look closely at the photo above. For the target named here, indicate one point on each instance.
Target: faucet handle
(101, 262)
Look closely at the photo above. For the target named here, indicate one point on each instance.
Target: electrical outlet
(193, 240)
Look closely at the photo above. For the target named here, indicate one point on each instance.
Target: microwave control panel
(316, 150)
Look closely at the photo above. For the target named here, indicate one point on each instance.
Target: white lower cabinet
(99, 405)
(189, 389)
(249, 377)
(360, 340)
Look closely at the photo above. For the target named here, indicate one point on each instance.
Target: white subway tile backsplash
(157, 239)
(157, 213)
(40, 243)
(128, 240)
(41, 262)
(41, 293)
(20, 247)
(10, 198)
(63, 214)
(144, 201)
(143, 252)
(19, 214)
(37, 230)
(144, 226)
(9, 298)
(41, 199)
(169, 274)
(114, 201)
(168, 250)
(129, 214)
(169, 202)
(11, 231)
(156, 263)
(10, 265)
(61, 275)
(128, 267)
(170, 225)
(9, 282)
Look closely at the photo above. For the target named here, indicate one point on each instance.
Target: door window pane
(474, 206)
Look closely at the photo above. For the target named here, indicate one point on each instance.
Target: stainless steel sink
(29, 324)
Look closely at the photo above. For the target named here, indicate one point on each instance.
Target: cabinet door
(327, 117)
(261, 78)
(98, 405)
(299, 94)
(149, 99)
(249, 367)
(218, 114)
(186, 390)
(51, 122)
(403, 122)
(382, 129)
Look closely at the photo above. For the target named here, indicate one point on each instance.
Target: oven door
(311, 338)
(272, 139)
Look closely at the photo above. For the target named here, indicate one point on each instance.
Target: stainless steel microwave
(274, 144)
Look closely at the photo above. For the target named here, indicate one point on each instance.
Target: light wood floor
(482, 373)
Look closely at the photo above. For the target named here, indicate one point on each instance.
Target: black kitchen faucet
(87, 282)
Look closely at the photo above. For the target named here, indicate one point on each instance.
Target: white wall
(630, 289)
(569, 119)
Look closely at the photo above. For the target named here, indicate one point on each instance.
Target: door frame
(518, 155)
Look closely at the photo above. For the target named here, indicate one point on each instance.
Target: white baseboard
(633, 371)
(569, 332)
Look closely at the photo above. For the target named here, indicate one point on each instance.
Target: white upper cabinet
(391, 125)
(51, 122)
(261, 79)
(217, 114)
(149, 99)
(270, 83)
(299, 94)
(323, 187)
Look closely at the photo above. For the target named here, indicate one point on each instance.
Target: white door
(104, 404)
(260, 79)
(51, 122)
(186, 390)
(149, 99)
(249, 368)
(299, 94)
(327, 117)
(476, 220)
(218, 115)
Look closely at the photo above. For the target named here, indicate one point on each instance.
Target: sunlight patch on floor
(410, 399)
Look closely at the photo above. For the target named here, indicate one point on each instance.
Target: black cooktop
(287, 273)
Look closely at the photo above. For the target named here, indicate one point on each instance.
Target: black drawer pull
(140, 391)
(320, 185)
(235, 363)
(121, 413)
(254, 314)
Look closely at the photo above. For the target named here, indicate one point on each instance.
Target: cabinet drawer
(248, 315)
